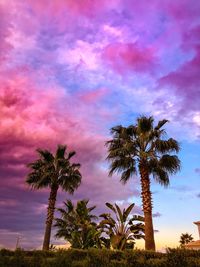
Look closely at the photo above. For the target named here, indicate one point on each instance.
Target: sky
(71, 70)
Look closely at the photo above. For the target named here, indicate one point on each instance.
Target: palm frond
(131, 131)
(60, 152)
(125, 165)
(144, 124)
(160, 124)
(33, 180)
(38, 180)
(126, 174)
(170, 163)
(119, 212)
(161, 176)
(110, 206)
(166, 146)
(116, 131)
(45, 155)
(71, 154)
(128, 211)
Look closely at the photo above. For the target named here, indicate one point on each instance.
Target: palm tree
(185, 239)
(122, 230)
(53, 171)
(142, 148)
(77, 225)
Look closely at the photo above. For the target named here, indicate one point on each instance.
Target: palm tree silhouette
(53, 171)
(141, 148)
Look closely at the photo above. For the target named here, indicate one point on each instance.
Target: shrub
(39, 253)
(157, 262)
(83, 263)
(75, 254)
(6, 252)
(115, 255)
(117, 263)
(100, 258)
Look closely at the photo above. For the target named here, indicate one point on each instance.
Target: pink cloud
(4, 33)
(26, 113)
(94, 95)
(88, 8)
(183, 11)
(123, 57)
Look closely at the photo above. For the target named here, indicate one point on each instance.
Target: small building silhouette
(194, 244)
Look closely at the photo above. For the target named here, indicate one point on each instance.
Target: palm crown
(50, 170)
(143, 143)
(185, 239)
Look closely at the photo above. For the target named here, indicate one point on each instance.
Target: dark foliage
(100, 258)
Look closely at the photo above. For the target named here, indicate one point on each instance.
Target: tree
(142, 148)
(53, 171)
(77, 225)
(122, 230)
(185, 239)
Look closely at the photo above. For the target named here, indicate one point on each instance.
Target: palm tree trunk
(147, 207)
(50, 215)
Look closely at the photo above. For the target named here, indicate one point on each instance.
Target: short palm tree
(53, 171)
(77, 225)
(185, 239)
(122, 229)
(142, 148)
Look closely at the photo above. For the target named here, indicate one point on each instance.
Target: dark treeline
(100, 258)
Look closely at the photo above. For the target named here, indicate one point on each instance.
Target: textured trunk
(50, 215)
(147, 207)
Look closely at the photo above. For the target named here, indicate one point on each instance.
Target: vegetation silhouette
(122, 229)
(77, 225)
(53, 171)
(141, 148)
(185, 239)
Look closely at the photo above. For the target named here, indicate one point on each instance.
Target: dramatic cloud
(129, 56)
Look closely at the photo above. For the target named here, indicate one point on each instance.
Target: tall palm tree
(53, 171)
(122, 229)
(142, 148)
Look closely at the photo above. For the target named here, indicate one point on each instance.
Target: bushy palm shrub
(77, 225)
(124, 228)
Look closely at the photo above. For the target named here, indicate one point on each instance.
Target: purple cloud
(157, 214)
